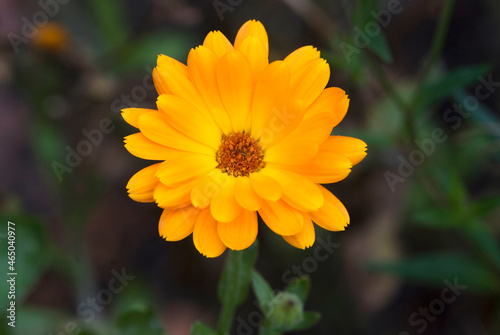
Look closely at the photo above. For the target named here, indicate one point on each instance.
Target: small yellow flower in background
(236, 135)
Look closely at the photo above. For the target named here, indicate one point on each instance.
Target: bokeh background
(424, 203)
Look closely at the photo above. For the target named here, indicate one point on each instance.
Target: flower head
(235, 136)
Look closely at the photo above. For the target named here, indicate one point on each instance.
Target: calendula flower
(235, 136)
(52, 37)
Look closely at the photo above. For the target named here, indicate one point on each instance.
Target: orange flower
(236, 135)
(52, 37)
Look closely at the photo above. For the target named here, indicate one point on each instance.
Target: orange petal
(160, 81)
(202, 65)
(177, 224)
(305, 238)
(256, 53)
(156, 128)
(352, 148)
(252, 28)
(308, 81)
(184, 167)
(179, 84)
(141, 185)
(301, 56)
(325, 168)
(315, 128)
(240, 233)
(284, 121)
(332, 215)
(188, 120)
(281, 218)
(270, 91)
(234, 78)
(223, 206)
(245, 194)
(131, 115)
(332, 100)
(142, 147)
(205, 236)
(265, 186)
(218, 43)
(207, 187)
(174, 197)
(291, 152)
(298, 191)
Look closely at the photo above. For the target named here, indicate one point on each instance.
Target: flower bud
(288, 310)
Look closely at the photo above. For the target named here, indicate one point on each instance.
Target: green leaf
(361, 13)
(262, 289)
(438, 89)
(233, 285)
(32, 254)
(310, 319)
(485, 242)
(378, 44)
(300, 287)
(434, 269)
(454, 187)
(140, 321)
(481, 115)
(199, 328)
(486, 206)
(437, 217)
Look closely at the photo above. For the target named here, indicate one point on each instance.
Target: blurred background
(422, 253)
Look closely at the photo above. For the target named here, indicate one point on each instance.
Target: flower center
(239, 155)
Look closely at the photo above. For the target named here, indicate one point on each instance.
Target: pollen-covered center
(239, 155)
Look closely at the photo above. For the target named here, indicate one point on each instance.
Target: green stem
(234, 284)
(396, 97)
(438, 40)
(436, 50)
(228, 305)
(226, 319)
(385, 82)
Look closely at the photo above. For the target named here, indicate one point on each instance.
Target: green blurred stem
(234, 283)
(438, 40)
(396, 97)
(226, 318)
(229, 305)
(432, 57)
